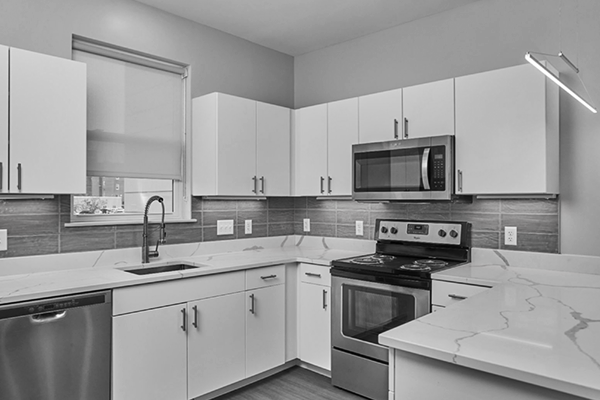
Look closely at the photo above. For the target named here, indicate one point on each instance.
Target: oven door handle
(425, 168)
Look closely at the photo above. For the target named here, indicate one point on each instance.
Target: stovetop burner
(373, 259)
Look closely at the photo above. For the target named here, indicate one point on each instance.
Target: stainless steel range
(377, 292)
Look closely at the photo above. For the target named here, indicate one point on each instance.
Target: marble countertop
(534, 325)
(111, 273)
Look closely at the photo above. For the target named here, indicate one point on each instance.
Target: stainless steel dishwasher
(57, 348)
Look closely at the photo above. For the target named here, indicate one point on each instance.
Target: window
(136, 135)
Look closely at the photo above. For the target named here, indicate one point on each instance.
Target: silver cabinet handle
(254, 184)
(183, 325)
(1, 174)
(456, 296)
(405, 128)
(460, 181)
(312, 274)
(268, 277)
(425, 168)
(329, 184)
(324, 299)
(252, 303)
(262, 184)
(395, 129)
(322, 182)
(195, 323)
(19, 177)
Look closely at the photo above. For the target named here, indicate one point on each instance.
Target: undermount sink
(159, 269)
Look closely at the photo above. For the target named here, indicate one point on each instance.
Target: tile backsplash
(36, 227)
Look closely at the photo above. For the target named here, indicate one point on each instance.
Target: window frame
(182, 202)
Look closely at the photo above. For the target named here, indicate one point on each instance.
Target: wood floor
(293, 384)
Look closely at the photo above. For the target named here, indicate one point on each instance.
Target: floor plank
(292, 384)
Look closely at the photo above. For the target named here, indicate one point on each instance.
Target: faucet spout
(146, 252)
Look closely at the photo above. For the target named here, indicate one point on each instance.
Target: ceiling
(296, 27)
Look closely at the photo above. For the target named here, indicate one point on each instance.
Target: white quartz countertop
(537, 326)
(37, 285)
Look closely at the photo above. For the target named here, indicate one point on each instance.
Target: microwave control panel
(438, 173)
(424, 232)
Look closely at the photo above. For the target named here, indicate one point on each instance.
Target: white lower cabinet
(216, 343)
(315, 315)
(445, 294)
(149, 355)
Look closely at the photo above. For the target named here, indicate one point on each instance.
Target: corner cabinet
(324, 136)
(241, 147)
(507, 133)
(42, 123)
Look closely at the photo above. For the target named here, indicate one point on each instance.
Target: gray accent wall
(482, 36)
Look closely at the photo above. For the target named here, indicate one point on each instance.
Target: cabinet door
(3, 119)
(310, 165)
(236, 136)
(380, 116)
(342, 133)
(506, 133)
(216, 343)
(428, 109)
(47, 124)
(273, 157)
(315, 325)
(149, 355)
(265, 329)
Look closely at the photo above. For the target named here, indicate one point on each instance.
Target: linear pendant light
(536, 63)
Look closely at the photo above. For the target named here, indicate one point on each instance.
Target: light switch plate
(359, 228)
(306, 225)
(225, 227)
(248, 226)
(3, 240)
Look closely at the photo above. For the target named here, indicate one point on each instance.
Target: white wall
(485, 35)
(220, 62)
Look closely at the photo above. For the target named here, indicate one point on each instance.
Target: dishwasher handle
(48, 317)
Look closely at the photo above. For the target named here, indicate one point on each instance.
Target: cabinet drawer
(318, 274)
(266, 276)
(447, 293)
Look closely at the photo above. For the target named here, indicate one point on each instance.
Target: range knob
(442, 233)
(453, 233)
(394, 230)
(384, 229)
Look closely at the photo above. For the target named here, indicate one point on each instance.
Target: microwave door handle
(425, 168)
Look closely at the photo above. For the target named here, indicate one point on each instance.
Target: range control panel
(425, 232)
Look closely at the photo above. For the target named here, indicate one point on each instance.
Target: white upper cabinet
(323, 148)
(240, 147)
(428, 109)
(43, 123)
(310, 147)
(380, 116)
(507, 133)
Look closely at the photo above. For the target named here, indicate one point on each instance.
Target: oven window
(367, 312)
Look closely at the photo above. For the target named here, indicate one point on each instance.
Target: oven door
(411, 169)
(361, 310)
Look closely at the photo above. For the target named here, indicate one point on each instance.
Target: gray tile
(485, 205)
(29, 206)
(300, 214)
(312, 202)
(181, 233)
(219, 205)
(86, 241)
(281, 229)
(429, 216)
(318, 229)
(479, 221)
(428, 208)
(526, 223)
(255, 205)
(257, 216)
(350, 217)
(534, 242)
(486, 240)
(279, 216)
(209, 234)
(280, 202)
(83, 229)
(210, 218)
(29, 225)
(349, 231)
(391, 214)
(298, 229)
(31, 246)
(391, 207)
(258, 230)
(322, 216)
(127, 239)
(530, 206)
(197, 203)
(64, 204)
(300, 202)
(351, 205)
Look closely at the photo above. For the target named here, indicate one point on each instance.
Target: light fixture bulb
(533, 61)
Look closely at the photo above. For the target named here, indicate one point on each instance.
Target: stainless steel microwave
(408, 169)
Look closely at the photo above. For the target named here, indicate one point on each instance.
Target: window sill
(111, 223)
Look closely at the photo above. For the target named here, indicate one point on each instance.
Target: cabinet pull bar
(322, 183)
(324, 299)
(19, 177)
(268, 277)
(183, 325)
(395, 129)
(405, 128)
(195, 323)
(329, 184)
(262, 184)
(254, 184)
(457, 297)
(1, 174)
(312, 274)
(460, 181)
(252, 303)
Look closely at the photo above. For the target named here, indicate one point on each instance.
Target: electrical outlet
(225, 227)
(306, 224)
(359, 228)
(248, 227)
(510, 235)
(3, 240)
